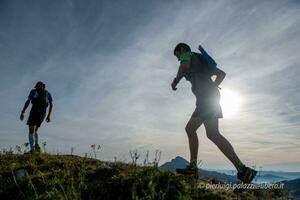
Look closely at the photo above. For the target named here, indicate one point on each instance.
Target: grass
(45, 176)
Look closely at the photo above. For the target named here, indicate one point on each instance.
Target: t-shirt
(33, 94)
(199, 74)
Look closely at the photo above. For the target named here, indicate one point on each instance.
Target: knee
(190, 130)
(31, 131)
(212, 135)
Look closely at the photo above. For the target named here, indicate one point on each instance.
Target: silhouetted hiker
(198, 69)
(40, 98)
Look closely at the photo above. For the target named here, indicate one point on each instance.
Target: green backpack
(40, 99)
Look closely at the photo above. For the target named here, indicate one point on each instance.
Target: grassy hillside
(44, 176)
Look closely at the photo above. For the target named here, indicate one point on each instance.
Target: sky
(109, 66)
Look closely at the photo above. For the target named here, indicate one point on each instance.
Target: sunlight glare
(230, 102)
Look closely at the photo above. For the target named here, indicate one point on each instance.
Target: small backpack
(40, 99)
(201, 64)
(211, 63)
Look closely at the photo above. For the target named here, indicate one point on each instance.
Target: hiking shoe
(189, 170)
(37, 148)
(247, 175)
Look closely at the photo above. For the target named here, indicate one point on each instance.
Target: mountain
(286, 175)
(177, 162)
(216, 175)
(180, 162)
(268, 176)
(230, 175)
(293, 187)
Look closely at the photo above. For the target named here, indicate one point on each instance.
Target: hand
(48, 119)
(174, 84)
(22, 116)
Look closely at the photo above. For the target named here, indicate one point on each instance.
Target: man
(40, 98)
(198, 70)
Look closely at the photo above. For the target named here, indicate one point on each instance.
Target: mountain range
(291, 180)
(180, 162)
(230, 175)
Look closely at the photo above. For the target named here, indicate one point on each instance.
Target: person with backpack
(40, 99)
(198, 68)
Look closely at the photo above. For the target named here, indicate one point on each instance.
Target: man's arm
(220, 75)
(30, 96)
(49, 112)
(183, 68)
(24, 109)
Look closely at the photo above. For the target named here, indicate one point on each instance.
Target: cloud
(109, 68)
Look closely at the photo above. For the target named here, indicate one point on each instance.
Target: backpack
(211, 63)
(40, 99)
(200, 63)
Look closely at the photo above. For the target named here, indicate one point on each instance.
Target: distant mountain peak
(179, 158)
(177, 162)
(180, 162)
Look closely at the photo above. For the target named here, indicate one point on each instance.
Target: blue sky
(109, 65)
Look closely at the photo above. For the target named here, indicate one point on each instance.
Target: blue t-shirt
(33, 93)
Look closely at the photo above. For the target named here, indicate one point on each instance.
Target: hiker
(197, 68)
(40, 98)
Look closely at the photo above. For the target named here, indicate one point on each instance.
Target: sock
(36, 139)
(240, 166)
(30, 136)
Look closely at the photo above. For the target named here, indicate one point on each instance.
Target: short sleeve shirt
(33, 93)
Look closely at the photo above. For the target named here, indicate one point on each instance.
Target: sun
(230, 102)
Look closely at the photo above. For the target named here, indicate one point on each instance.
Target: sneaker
(189, 170)
(247, 175)
(37, 148)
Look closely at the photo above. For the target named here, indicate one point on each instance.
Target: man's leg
(36, 140)
(36, 137)
(191, 128)
(212, 132)
(30, 136)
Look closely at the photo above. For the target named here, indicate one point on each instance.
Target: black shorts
(208, 106)
(208, 112)
(36, 117)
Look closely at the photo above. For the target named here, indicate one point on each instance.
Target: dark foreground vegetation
(44, 176)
